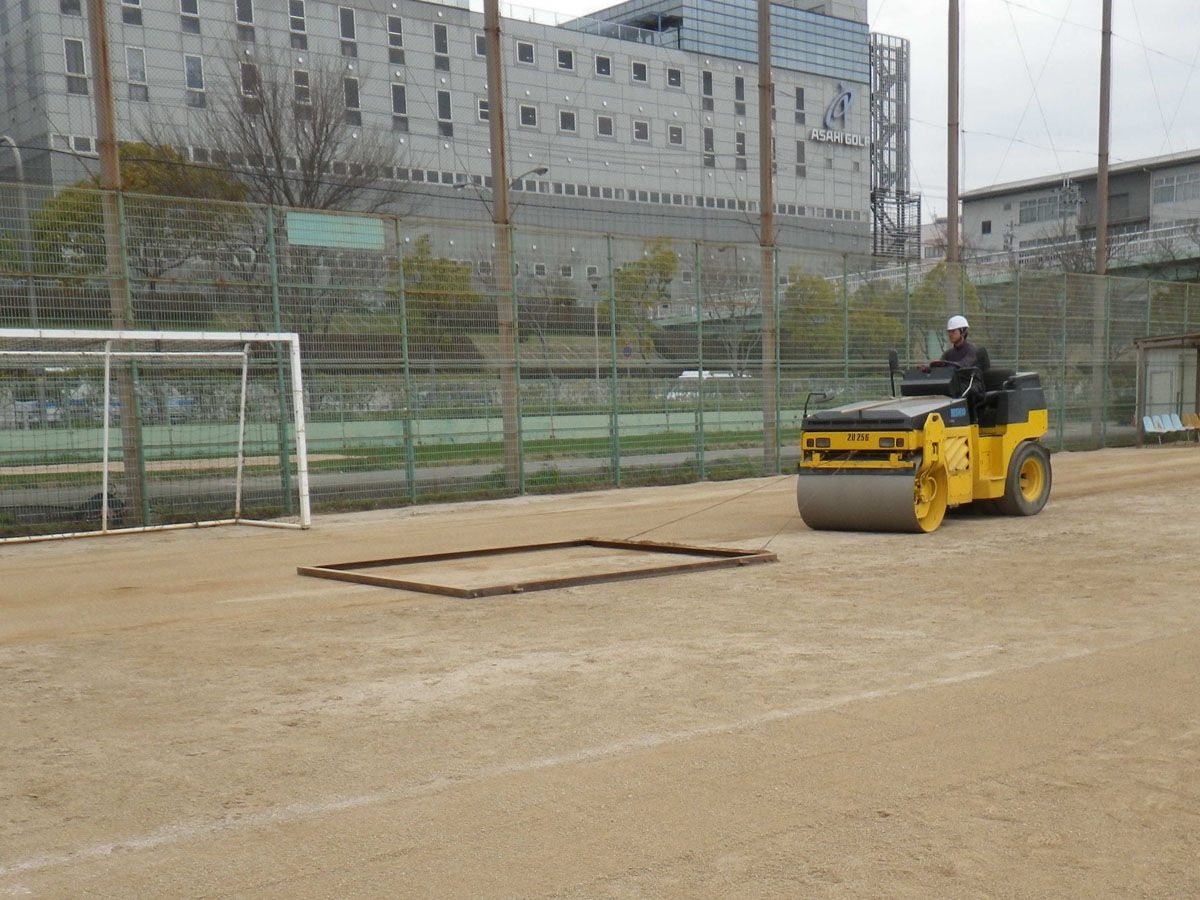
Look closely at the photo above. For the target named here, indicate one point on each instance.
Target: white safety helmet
(957, 322)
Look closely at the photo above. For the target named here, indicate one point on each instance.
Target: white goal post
(105, 432)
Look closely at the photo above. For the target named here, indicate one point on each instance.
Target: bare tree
(293, 138)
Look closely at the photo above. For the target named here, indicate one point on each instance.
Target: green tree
(639, 287)
(440, 299)
(810, 318)
(876, 322)
(169, 227)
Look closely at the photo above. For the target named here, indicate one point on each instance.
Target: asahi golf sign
(835, 113)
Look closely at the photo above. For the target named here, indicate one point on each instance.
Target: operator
(961, 352)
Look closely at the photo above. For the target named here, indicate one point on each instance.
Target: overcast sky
(1030, 90)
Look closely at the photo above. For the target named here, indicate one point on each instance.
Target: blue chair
(1153, 425)
(1177, 425)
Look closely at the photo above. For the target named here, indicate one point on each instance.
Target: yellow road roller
(953, 436)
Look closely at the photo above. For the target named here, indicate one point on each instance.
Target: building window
(706, 90)
(131, 12)
(76, 66)
(709, 140)
(640, 72)
(244, 13)
(70, 7)
(799, 106)
(1042, 209)
(482, 109)
(604, 126)
(566, 60)
(739, 96)
(641, 130)
(525, 53)
(395, 27)
(135, 69)
(674, 78)
(399, 108)
(249, 79)
(675, 135)
(297, 24)
(481, 46)
(801, 169)
(348, 31)
(566, 121)
(986, 227)
(346, 23)
(441, 48)
(193, 72)
(353, 110)
(528, 116)
(189, 16)
(603, 66)
(445, 128)
(300, 86)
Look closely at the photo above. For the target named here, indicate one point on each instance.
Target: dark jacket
(964, 355)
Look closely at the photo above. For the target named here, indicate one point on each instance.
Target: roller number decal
(858, 437)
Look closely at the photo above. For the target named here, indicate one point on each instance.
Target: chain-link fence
(450, 360)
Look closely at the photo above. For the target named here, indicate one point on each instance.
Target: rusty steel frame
(702, 558)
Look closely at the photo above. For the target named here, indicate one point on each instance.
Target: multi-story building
(1150, 196)
(644, 117)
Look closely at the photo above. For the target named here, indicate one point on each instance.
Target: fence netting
(454, 360)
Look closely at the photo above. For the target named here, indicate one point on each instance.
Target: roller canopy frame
(699, 558)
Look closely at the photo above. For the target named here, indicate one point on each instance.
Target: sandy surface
(1007, 708)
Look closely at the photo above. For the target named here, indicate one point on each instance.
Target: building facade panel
(627, 128)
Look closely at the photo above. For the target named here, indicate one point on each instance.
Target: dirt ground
(1006, 708)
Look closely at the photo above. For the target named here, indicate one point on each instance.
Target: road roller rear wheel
(929, 498)
(1027, 487)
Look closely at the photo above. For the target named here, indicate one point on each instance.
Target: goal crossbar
(35, 343)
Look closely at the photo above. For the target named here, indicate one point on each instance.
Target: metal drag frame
(703, 558)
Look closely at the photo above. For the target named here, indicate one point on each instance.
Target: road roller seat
(993, 379)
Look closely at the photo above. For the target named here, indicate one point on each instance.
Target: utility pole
(136, 509)
(505, 305)
(1100, 296)
(953, 260)
(766, 211)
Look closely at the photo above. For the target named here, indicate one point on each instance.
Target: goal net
(111, 431)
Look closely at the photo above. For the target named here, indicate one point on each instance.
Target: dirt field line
(184, 831)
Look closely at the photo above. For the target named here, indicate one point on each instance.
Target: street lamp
(23, 211)
(594, 281)
(27, 263)
(538, 170)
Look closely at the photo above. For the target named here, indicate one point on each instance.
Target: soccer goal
(119, 431)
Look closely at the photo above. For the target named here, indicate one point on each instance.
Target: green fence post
(285, 462)
(1149, 305)
(700, 357)
(778, 362)
(139, 448)
(516, 318)
(907, 313)
(614, 419)
(1062, 355)
(410, 460)
(1017, 320)
(845, 326)
(1105, 386)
